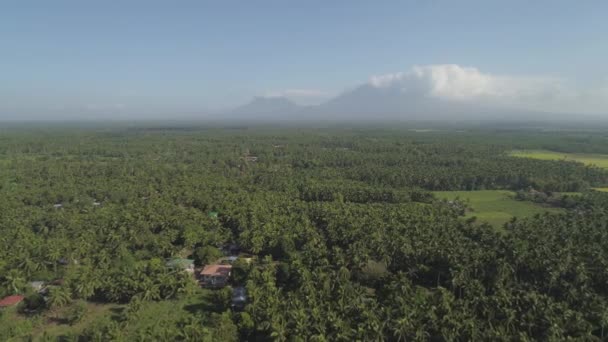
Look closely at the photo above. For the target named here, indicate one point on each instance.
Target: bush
(76, 312)
(207, 254)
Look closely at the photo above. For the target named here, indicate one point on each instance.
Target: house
(57, 282)
(252, 159)
(38, 286)
(11, 301)
(228, 260)
(239, 298)
(65, 261)
(181, 264)
(215, 275)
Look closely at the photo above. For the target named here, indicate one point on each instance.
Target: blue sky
(137, 57)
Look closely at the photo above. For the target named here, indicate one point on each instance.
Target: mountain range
(371, 103)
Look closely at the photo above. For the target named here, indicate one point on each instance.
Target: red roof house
(215, 275)
(10, 301)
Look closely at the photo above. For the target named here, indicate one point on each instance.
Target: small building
(212, 214)
(11, 301)
(58, 206)
(181, 264)
(57, 282)
(252, 159)
(215, 275)
(37, 285)
(228, 260)
(239, 298)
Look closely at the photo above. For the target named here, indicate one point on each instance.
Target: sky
(151, 58)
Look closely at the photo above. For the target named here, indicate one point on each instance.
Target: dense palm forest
(347, 239)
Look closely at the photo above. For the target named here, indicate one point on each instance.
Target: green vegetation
(598, 160)
(341, 234)
(495, 207)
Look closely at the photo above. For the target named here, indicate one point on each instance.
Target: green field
(599, 160)
(495, 206)
(150, 315)
(601, 189)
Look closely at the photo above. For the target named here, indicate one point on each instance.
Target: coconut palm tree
(14, 282)
(59, 296)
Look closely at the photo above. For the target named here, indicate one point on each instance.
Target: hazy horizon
(143, 60)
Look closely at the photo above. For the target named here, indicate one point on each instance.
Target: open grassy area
(601, 189)
(495, 206)
(599, 160)
(164, 312)
(51, 324)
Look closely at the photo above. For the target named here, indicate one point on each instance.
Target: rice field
(495, 207)
(599, 160)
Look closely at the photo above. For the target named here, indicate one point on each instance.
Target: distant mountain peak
(265, 107)
(370, 102)
(272, 99)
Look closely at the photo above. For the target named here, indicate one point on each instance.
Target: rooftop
(11, 300)
(216, 270)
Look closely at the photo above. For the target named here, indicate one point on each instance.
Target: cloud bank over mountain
(445, 91)
(468, 84)
(301, 96)
(453, 82)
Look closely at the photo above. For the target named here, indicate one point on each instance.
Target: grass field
(599, 160)
(601, 189)
(495, 206)
(152, 313)
(53, 326)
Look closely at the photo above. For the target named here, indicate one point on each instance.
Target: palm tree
(59, 296)
(151, 291)
(14, 282)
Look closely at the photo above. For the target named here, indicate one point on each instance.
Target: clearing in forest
(495, 207)
(151, 315)
(599, 160)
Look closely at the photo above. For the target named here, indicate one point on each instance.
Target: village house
(65, 261)
(229, 260)
(37, 286)
(215, 275)
(181, 264)
(11, 301)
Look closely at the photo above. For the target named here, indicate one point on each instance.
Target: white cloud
(458, 83)
(302, 96)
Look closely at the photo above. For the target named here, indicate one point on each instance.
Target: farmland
(599, 160)
(147, 232)
(495, 207)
